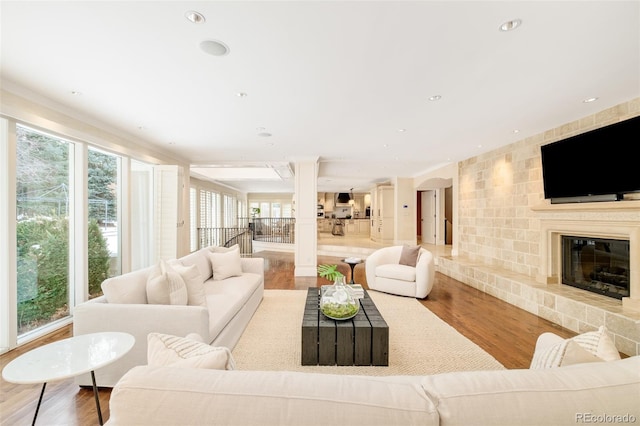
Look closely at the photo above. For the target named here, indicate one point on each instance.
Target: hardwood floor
(501, 329)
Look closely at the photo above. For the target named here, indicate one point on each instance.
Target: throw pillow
(409, 255)
(567, 352)
(220, 249)
(174, 351)
(166, 287)
(586, 347)
(196, 295)
(598, 343)
(225, 265)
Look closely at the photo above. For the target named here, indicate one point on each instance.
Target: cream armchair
(385, 273)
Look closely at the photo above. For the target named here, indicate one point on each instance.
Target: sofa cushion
(128, 288)
(396, 272)
(166, 287)
(171, 396)
(165, 349)
(556, 396)
(409, 255)
(226, 298)
(194, 282)
(225, 265)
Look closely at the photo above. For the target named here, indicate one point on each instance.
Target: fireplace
(591, 221)
(599, 265)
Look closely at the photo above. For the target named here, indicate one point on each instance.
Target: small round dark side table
(352, 264)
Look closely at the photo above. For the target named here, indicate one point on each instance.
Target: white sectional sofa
(220, 316)
(586, 392)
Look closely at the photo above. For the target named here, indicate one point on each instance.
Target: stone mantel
(607, 206)
(615, 220)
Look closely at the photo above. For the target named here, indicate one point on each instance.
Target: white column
(305, 198)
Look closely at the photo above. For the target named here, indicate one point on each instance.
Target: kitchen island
(350, 227)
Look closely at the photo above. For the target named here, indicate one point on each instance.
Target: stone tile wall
(499, 233)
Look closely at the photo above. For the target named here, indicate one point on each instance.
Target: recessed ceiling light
(76, 93)
(586, 101)
(214, 47)
(516, 131)
(510, 25)
(241, 95)
(264, 134)
(194, 17)
(402, 130)
(435, 98)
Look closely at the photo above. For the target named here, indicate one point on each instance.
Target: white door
(428, 200)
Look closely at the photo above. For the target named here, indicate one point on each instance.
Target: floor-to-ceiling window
(210, 216)
(74, 213)
(44, 218)
(230, 212)
(193, 219)
(104, 253)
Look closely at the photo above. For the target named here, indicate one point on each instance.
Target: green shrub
(43, 268)
(99, 258)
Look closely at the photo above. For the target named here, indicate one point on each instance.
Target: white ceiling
(334, 80)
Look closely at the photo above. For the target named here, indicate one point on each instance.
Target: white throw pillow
(221, 249)
(166, 287)
(174, 351)
(592, 346)
(567, 352)
(196, 295)
(598, 343)
(225, 265)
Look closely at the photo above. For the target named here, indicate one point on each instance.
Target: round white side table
(68, 358)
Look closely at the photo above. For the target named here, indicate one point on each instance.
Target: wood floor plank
(503, 330)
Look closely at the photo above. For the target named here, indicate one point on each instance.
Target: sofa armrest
(254, 265)
(425, 274)
(138, 320)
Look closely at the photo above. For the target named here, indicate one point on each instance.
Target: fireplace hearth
(598, 265)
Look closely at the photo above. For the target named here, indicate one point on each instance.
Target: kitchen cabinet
(383, 214)
(363, 226)
(329, 204)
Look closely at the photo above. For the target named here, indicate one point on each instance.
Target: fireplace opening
(598, 265)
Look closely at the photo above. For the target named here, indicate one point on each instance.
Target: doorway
(428, 216)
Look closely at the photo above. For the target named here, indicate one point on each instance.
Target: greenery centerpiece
(336, 301)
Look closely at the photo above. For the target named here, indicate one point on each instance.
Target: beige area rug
(419, 342)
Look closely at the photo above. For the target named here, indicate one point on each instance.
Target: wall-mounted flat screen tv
(599, 165)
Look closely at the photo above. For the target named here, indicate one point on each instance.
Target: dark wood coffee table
(362, 340)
